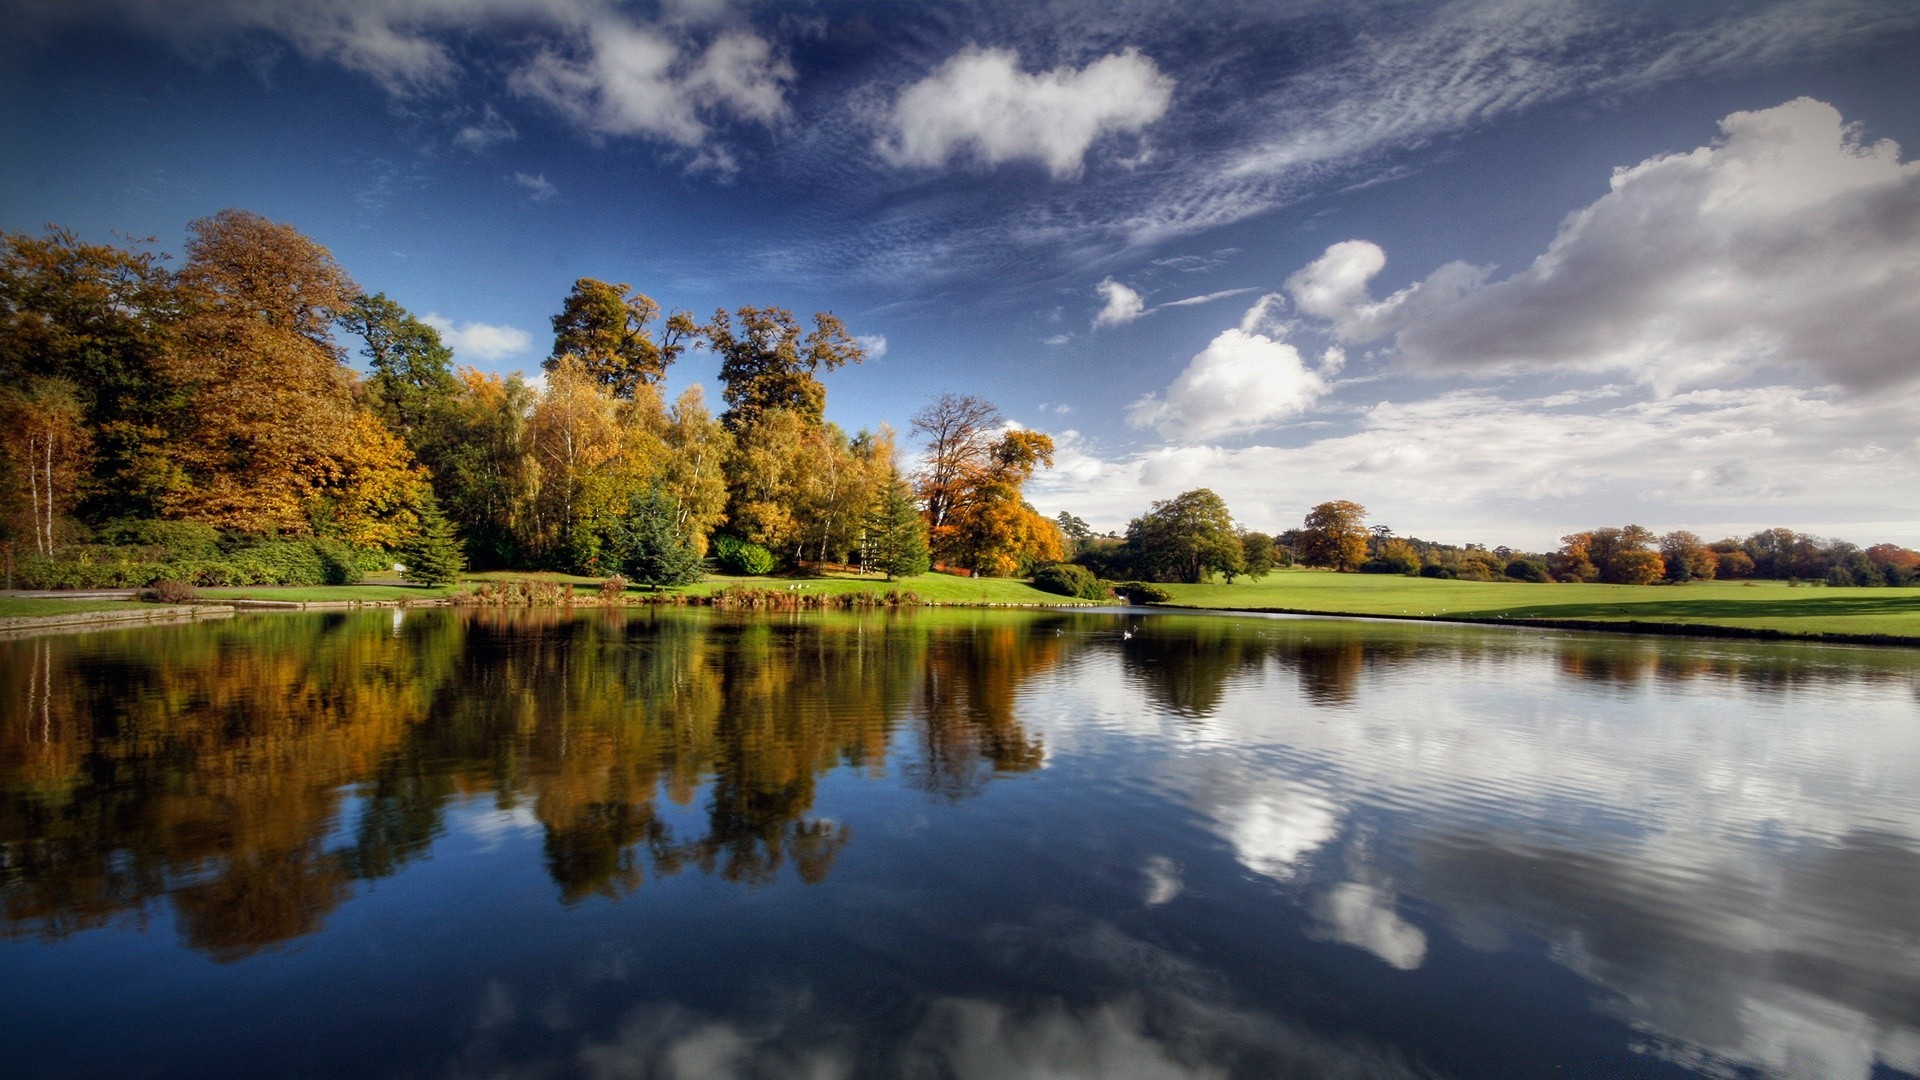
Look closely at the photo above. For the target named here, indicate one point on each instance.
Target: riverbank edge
(1632, 626)
(83, 620)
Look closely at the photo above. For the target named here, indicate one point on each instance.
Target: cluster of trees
(217, 393)
(1635, 556)
(1189, 538)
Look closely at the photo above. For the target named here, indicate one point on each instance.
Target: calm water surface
(952, 844)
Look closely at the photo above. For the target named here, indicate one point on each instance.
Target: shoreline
(1630, 626)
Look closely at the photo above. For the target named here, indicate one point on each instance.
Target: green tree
(1185, 537)
(1256, 554)
(1334, 535)
(766, 363)
(433, 556)
(648, 545)
(1073, 527)
(607, 329)
(410, 380)
(897, 533)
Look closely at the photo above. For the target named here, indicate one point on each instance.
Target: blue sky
(1496, 270)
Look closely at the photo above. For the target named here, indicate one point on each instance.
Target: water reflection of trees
(251, 771)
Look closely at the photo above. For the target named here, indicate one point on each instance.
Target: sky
(1498, 271)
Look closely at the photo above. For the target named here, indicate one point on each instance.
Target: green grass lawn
(23, 607)
(1804, 609)
(369, 592)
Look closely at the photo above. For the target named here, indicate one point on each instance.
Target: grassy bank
(27, 607)
(1804, 610)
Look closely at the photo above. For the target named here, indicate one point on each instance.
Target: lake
(947, 843)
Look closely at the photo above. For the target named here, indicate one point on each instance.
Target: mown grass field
(1770, 605)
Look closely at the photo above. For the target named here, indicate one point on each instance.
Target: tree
(606, 329)
(271, 402)
(1184, 538)
(486, 475)
(1072, 527)
(1256, 554)
(433, 555)
(698, 446)
(766, 364)
(960, 431)
(896, 533)
(1334, 535)
(989, 528)
(1687, 557)
(1625, 556)
(649, 547)
(410, 370)
(103, 320)
(46, 453)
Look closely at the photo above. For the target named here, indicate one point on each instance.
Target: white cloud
(980, 103)
(1246, 379)
(1194, 301)
(482, 134)
(1468, 465)
(1123, 304)
(539, 188)
(874, 344)
(1163, 883)
(624, 77)
(1057, 339)
(607, 71)
(1786, 242)
(480, 341)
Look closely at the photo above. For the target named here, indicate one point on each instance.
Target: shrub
(1142, 592)
(613, 590)
(169, 591)
(181, 539)
(1383, 565)
(1066, 579)
(1436, 571)
(736, 556)
(1840, 577)
(1528, 570)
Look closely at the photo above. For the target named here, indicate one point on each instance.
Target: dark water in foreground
(952, 844)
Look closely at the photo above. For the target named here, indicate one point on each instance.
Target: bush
(613, 590)
(169, 591)
(1436, 571)
(736, 556)
(1840, 577)
(1142, 592)
(1386, 565)
(1066, 579)
(1528, 570)
(181, 539)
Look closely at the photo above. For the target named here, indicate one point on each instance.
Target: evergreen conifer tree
(897, 533)
(648, 545)
(433, 556)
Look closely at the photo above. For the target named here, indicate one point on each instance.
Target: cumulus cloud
(981, 104)
(1788, 241)
(1363, 915)
(624, 77)
(539, 188)
(874, 344)
(477, 340)
(1246, 379)
(1123, 304)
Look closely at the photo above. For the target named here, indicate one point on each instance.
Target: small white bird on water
(1126, 635)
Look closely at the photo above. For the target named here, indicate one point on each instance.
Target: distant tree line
(1192, 538)
(180, 422)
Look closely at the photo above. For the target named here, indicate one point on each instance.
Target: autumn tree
(990, 528)
(695, 478)
(1687, 557)
(1185, 538)
(767, 363)
(959, 432)
(102, 319)
(607, 330)
(573, 436)
(1334, 535)
(486, 474)
(1625, 556)
(46, 455)
(272, 403)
